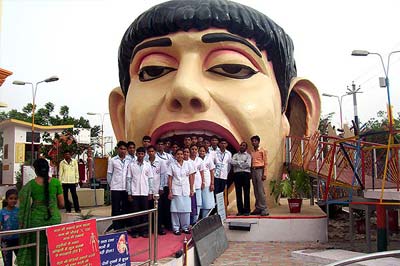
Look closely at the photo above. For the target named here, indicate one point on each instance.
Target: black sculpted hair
(184, 15)
(42, 170)
(129, 143)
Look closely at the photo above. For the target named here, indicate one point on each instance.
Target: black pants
(72, 188)
(242, 182)
(7, 255)
(219, 185)
(119, 205)
(140, 203)
(165, 209)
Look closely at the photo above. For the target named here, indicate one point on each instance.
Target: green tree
(376, 129)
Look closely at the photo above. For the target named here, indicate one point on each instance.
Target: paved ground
(273, 253)
(265, 254)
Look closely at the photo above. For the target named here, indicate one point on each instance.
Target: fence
(152, 243)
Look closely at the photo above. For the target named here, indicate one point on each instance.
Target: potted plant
(294, 186)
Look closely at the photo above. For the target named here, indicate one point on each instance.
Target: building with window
(17, 144)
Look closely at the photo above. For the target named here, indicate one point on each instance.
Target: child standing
(9, 221)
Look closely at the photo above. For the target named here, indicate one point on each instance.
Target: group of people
(40, 201)
(186, 176)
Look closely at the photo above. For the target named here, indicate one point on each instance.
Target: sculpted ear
(303, 108)
(116, 106)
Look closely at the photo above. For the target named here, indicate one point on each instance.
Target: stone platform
(282, 226)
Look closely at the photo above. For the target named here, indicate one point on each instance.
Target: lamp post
(34, 90)
(340, 99)
(386, 72)
(380, 210)
(102, 129)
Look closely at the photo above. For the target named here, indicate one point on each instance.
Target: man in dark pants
(222, 161)
(164, 202)
(259, 163)
(116, 178)
(139, 186)
(69, 177)
(241, 163)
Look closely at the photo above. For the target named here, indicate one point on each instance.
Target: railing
(349, 163)
(152, 245)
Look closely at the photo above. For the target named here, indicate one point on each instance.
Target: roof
(27, 124)
(4, 74)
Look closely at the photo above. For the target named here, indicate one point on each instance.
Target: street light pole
(34, 91)
(380, 210)
(102, 129)
(386, 72)
(340, 100)
(354, 92)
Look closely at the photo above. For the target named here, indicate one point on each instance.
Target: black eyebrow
(225, 37)
(162, 42)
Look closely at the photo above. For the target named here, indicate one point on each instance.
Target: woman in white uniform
(198, 181)
(207, 195)
(180, 183)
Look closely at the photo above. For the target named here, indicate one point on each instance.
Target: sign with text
(114, 250)
(74, 244)
(221, 205)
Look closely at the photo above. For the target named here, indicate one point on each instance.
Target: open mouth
(176, 131)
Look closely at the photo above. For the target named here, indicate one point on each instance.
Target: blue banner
(114, 250)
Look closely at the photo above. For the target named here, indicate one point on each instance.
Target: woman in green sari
(40, 200)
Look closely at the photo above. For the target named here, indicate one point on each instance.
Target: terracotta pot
(295, 205)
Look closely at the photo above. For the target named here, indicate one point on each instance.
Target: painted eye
(236, 71)
(153, 72)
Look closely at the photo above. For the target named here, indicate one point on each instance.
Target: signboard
(209, 239)
(100, 168)
(74, 244)
(221, 206)
(114, 250)
(83, 136)
(19, 152)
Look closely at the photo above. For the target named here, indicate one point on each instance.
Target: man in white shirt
(214, 144)
(157, 167)
(241, 163)
(131, 150)
(222, 161)
(116, 178)
(164, 202)
(139, 186)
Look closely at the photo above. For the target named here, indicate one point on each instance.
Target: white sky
(78, 40)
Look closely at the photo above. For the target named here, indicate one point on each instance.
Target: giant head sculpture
(211, 67)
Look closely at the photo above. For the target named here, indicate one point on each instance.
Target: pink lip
(197, 125)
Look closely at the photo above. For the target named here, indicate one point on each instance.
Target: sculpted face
(208, 82)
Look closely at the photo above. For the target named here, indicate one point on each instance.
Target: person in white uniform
(198, 181)
(186, 157)
(207, 194)
(139, 186)
(157, 167)
(164, 203)
(180, 183)
(116, 178)
(222, 161)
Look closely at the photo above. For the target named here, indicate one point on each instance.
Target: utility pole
(353, 91)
